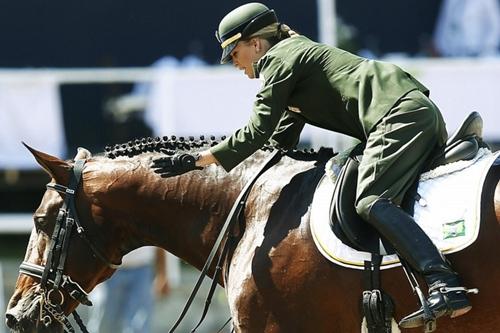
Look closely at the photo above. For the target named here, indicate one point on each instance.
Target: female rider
(375, 102)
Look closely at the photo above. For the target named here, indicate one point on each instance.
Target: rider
(375, 102)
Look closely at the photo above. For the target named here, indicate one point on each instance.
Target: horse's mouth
(28, 325)
(26, 319)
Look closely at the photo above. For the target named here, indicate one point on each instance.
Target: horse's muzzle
(26, 321)
(10, 320)
(18, 324)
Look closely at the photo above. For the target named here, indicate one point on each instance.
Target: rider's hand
(169, 166)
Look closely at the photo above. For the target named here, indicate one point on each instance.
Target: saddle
(351, 229)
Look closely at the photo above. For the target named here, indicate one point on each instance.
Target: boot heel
(460, 312)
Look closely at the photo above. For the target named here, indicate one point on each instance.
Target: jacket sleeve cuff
(225, 156)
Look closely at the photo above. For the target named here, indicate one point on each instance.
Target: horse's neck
(196, 208)
(181, 214)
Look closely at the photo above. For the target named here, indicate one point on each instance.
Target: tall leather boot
(446, 296)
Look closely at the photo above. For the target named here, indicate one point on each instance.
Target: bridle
(52, 277)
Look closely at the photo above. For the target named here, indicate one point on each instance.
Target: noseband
(52, 278)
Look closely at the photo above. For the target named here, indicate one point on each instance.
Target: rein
(233, 214)
(52, 278)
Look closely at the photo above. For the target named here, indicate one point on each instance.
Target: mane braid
(172, 145)
(164, 145)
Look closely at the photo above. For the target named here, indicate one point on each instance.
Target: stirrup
(437, 305)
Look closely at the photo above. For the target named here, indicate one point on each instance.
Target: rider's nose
(10, 320)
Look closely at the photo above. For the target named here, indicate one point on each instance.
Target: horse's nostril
(10, 320)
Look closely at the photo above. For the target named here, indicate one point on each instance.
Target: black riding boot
(446, 296)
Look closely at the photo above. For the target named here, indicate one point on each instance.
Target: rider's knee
(364, 204)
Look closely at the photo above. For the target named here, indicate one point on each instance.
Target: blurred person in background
(376, 102)
(468, 28)
(125, 302)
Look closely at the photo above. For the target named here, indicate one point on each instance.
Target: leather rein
(51, 276)
(232, 217)
(53, 280)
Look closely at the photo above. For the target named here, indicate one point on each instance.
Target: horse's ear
(82, 154)
(55, 167)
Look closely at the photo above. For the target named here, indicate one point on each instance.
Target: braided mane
(170, 145)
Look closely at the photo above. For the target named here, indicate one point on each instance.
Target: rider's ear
(55, 167)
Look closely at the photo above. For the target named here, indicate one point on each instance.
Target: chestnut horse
(275, 281)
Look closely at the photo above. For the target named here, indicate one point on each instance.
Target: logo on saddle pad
(448, 210)
(454, 229)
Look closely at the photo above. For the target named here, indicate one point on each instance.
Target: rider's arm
(269, 106)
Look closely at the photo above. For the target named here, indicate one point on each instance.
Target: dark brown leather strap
(237, 207)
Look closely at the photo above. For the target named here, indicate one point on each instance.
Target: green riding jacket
(308, 82)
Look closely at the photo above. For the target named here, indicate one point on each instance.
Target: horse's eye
(40, 221)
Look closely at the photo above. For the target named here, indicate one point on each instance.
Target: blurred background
(95, 73)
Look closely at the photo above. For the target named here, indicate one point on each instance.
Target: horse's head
(66, 255)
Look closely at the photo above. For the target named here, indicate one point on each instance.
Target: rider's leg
(420, 252)
(395, 153)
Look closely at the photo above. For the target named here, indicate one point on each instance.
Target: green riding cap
(240, 23)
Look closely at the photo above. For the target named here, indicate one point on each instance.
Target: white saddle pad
(448, 211)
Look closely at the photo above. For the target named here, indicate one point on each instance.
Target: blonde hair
(277, 31)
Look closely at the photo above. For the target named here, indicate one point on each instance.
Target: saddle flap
(345, 221)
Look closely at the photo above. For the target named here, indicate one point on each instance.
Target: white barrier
(78, 75)
(460, 86)
(16, 223)
(218, 99)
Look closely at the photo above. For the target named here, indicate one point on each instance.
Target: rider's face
(245, 54)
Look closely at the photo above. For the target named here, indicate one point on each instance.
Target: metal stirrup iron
(429, 318)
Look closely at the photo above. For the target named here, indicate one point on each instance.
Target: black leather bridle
(52, 277)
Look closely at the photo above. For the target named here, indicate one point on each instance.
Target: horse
(274, 277)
